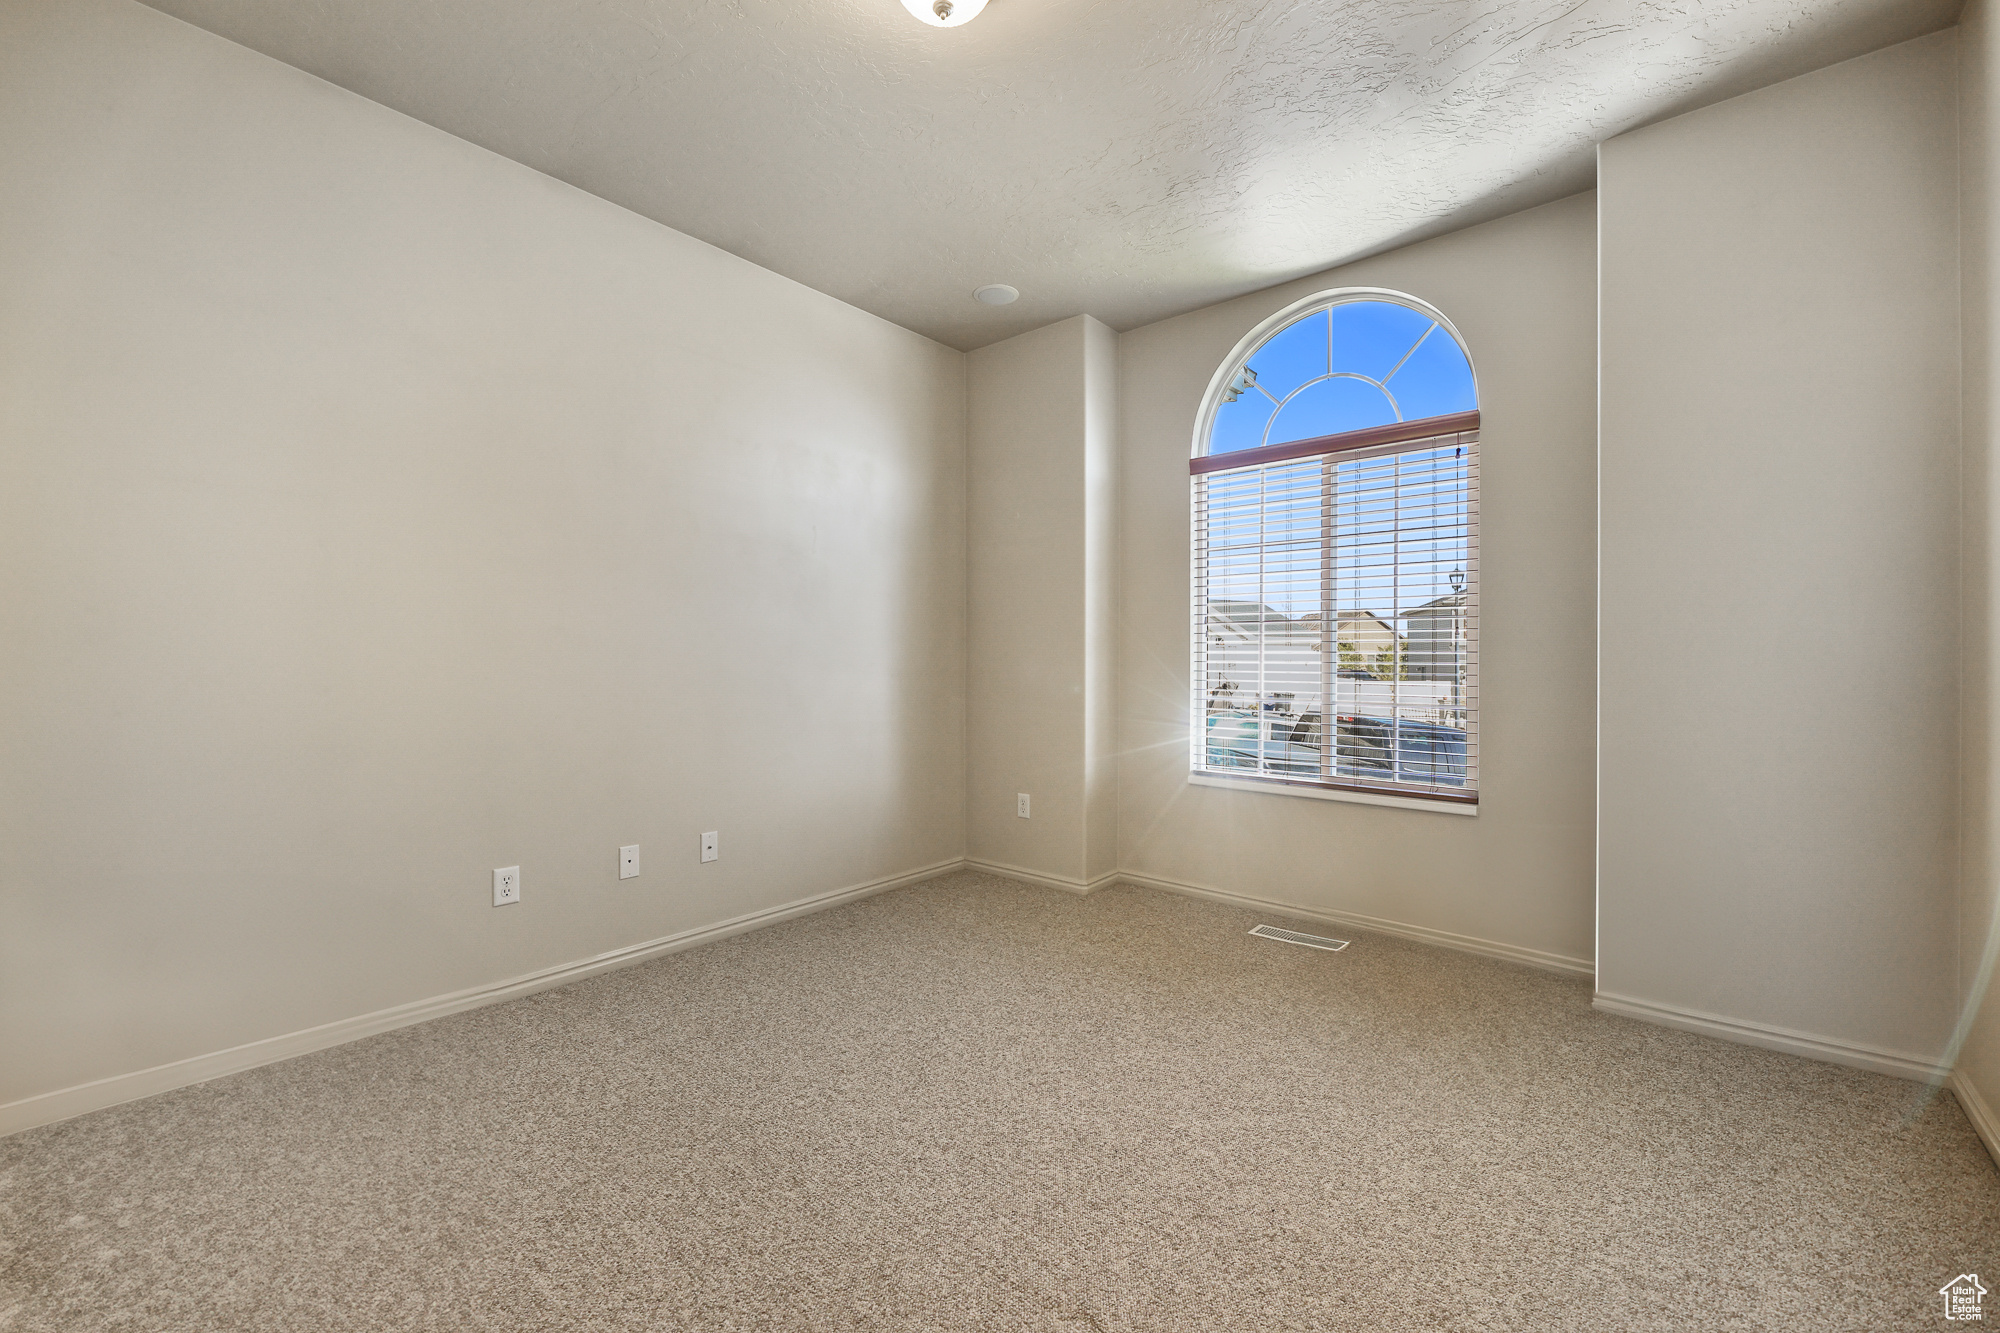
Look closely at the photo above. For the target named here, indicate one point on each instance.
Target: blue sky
(1354, 365)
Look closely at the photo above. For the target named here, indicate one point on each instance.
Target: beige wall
(1521, 291)
(1100, 600)
(374, 512)
(1979, 139)
(1780, 399)
(1041, 420)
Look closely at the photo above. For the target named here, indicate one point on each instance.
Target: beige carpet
(978, 1105)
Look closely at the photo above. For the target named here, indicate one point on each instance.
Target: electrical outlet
(628, 862)
(507, 886)
(711, 846)
(1021, 804)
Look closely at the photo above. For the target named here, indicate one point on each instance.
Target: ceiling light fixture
(945, 13)
(996, 293)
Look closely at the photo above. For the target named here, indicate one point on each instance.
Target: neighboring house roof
(1240, 619)
(1450, 602)
(1240, 610)
(1247, 619)
(1364, 619)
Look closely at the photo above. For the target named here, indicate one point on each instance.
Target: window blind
(1336, 611)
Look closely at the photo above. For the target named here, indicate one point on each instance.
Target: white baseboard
(1512, 953)
(1900, 1064)
(1062, 882)
(1984, 1123)
(49, 1107)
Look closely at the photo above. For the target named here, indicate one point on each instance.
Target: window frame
(1378, 440)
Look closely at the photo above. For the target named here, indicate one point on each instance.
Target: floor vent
(1293, 937)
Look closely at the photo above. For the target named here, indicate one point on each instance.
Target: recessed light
(996, 293)
(945, 13)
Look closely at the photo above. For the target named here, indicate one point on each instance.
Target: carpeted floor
(979, 1105)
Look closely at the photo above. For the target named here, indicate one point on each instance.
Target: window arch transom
(1358, 360)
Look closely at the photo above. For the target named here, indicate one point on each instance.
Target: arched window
(1336, 555)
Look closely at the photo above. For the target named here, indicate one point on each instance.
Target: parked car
(1399, 750)
(1379, 748)
(1241, 739)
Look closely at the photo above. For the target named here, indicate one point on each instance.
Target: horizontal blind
(1336, 618)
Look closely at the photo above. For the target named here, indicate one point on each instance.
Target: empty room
(1077, 666)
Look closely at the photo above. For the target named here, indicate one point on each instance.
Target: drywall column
(1042, 434)
(1100, 600)
(1978, 1073)
(1779, 380)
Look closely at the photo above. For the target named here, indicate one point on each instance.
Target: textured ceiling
(1127, 158)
